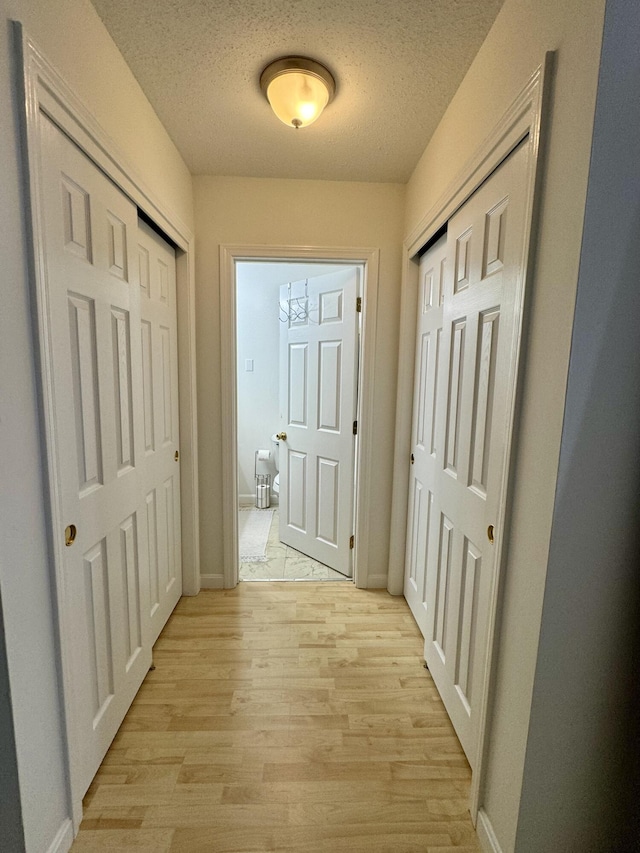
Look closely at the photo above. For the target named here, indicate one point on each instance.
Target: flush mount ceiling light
(298, 89)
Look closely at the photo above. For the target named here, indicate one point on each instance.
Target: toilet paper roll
(264, 455)
(262, 497)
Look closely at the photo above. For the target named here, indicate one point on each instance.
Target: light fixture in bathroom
(298, 89)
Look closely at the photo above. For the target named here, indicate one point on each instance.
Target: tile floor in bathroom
(285, 563)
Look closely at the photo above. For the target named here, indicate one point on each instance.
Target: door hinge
(355, 427)
(352, 542)
(359, 303)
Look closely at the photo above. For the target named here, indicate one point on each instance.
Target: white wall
(258, 330)
(579, 791)
(515, 46)
(71, 35)
(253, 211)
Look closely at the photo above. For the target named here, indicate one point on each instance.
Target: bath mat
(253, 532)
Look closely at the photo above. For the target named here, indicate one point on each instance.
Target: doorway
(297, 335)
(301, 467)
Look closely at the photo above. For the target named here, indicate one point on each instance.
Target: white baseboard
(488, 839)
(377, 581)
(250, 500)
(64, 838)
(212, 581)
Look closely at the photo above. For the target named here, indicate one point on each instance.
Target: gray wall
(11, 836)
(579, 761)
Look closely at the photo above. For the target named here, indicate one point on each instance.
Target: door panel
(90, 230)
(84, 368)
(466, 346)
(298, 384)
(318, 381)
(159, 469)
(328, 483)
(424, 441)
(114, 389)
(479, 346)
(122, 381)
(131, 585)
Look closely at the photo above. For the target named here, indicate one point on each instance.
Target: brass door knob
(281, 436)
(70, 533)
(413, 458)
(490, 533)
(176, 455)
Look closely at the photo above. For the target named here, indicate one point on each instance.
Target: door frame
(42, 89)
(369, 258)
(521, 121)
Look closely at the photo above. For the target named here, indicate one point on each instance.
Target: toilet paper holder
(260, 456)
(263, 481)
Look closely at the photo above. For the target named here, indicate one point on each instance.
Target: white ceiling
(397, 64)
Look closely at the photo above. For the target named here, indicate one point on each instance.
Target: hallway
(284, 717)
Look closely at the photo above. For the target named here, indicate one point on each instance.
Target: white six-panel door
(318, 382)
(93, 306)
(451, 533)
(424, 470)
(159, 468)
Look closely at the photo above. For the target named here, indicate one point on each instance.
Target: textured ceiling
(397, 64)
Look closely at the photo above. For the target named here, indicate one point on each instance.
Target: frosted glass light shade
(297, 98)
(298, 89)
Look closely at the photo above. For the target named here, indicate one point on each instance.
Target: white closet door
(159, 467)
(424, 470)
(457, 495)
(93, 306)
(318, 381)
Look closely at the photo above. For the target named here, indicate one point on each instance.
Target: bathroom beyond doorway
(297, 362)
(285, 563)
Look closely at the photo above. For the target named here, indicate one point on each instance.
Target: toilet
(276, 461)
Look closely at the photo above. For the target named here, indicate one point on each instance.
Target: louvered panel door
(159, 468)
(480, 341)
(423, 469)
(93, 307)
(318, 382)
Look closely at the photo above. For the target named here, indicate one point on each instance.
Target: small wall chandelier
(298, 89)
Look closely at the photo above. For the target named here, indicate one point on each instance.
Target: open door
(318, 398)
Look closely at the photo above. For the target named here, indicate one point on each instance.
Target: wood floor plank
(284, 717)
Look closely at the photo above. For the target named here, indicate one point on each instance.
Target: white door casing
(424, 471)
(480, 341)
(159, 468)
(318, 397)
(90, 229)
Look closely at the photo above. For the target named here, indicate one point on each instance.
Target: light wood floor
(284, 717)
